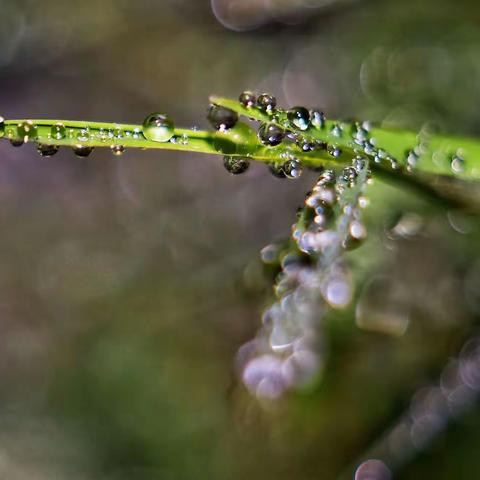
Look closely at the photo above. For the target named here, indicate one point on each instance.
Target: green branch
(428, 163)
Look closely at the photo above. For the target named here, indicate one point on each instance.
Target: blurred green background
(128, 284)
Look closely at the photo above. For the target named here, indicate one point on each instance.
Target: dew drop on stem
(457, 164)
(117, 150)
(334, 151)
(337, 131)
(292, 169)
(27, 130)
(236, 165)
(58, 131)
(222, 118)
(16, 142)
(82, 151)
(158, 127)
(317, 119)
(276, 169)
(299, 117)
(247, 99)
(305, 145)
(271, 134)
(47, 150)
(267, 103)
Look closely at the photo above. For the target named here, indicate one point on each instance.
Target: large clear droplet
(158, 127)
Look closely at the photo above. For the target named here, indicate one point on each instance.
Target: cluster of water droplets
(156, 128)
(312, 279)
(296, 131)
(283, 128)
(299, 124)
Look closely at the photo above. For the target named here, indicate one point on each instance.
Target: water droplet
(318, 200)
(325, 194)
(326, 178)
(359, 164)
(394, 163)
(337, 289)
(236, 165)
(359, 134)
(27, 130)
(411, 159)
(363, 201)
(84, 134)
(373, 470)
(357, 233)
(357, 230)
(157, 127)
(82, 150)
(102, 135)
(337, 130)
(305, 145)
(457, 164)
(323, 214)
(299, 117)
(117, 150)
(47, 150)
(2, 127)
(222, 118)
(271, 134)
(58, 131)
(266, 103)
(276, 169)
(349, 174)
(334, 151)
(247, 99)
(270, 254)
(292, 169)
(16, 142)
(317, 119)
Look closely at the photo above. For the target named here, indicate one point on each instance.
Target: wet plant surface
(195, 311)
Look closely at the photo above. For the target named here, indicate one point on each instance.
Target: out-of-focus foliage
(128, 284)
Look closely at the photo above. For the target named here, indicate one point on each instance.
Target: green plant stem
(432, 176)
(239, 141)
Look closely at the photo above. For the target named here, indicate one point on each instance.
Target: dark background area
(128, 284)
